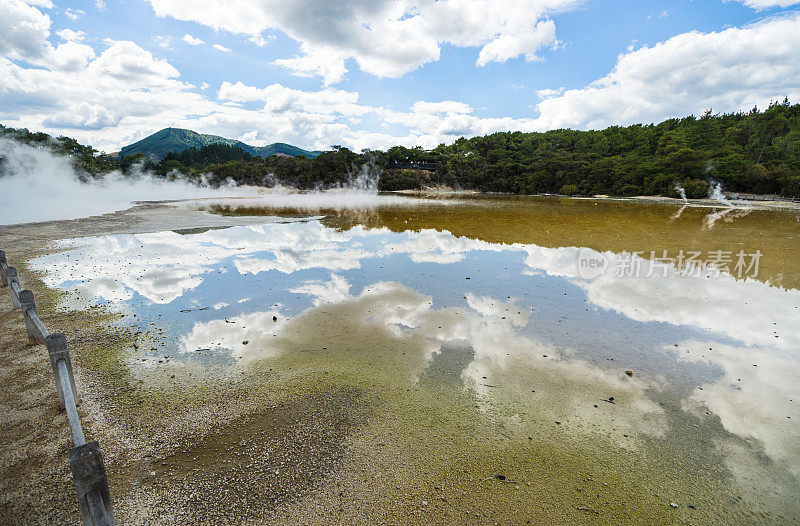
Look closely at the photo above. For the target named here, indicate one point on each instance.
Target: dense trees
(756, 151)
(748, 152)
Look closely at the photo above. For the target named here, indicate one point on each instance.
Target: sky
(375, 73)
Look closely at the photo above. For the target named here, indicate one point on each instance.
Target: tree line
(753, 152)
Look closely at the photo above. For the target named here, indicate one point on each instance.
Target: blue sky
(381, 72)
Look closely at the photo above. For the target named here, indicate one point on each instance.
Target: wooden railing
(759, 197)
(85, 459)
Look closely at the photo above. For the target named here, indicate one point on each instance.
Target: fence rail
(760, 197)
(85, 459)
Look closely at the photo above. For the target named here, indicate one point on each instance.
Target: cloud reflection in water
(387, 289)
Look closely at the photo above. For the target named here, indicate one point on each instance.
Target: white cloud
(71, 36)
(25, 30)
(74, 14)
(325, 62)
(260, 40)
(189, 39)
(83, 116)
(549, 93)
(689, 73)
(163, 41)
(124, 78)
(126, 61)
(117, 95)
(387, 38)
(766, 4)
(70, 56)
(220, 47)
(279, 99)
(525, 44)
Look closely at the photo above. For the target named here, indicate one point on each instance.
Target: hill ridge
(176, 140)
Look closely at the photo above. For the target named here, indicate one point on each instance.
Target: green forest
(753, 152)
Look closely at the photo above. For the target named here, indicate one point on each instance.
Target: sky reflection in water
(520, 313)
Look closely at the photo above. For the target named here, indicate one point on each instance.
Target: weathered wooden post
(13, 284)
(85, 460)
(57, 348)
(28, 306)
(91, 484)
(3, 267)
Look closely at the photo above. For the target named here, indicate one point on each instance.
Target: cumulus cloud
(387, 38)
(116, 93)
(509, 46)
(126, 61)
(766, 4)
(84, 115)
(220, 47)
(189, 39)
(727, 70)
(70, 35)
(124, 78)
(278, 98)
(25, 30)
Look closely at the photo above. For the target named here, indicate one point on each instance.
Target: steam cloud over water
(360, 191)
(310, 202)
(40, 186)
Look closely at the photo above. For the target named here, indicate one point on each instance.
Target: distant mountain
(176, 140)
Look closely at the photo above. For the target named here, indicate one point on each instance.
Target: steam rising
(283, 198)
(715, 193)
(681, 191)
(366, 178)
(728, 214)
(40, 186)
(360, 192)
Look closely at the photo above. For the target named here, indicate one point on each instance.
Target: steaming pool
(528, 357)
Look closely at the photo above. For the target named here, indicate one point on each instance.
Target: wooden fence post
(91, 484)
(13, 279)
(3, 267)
(85, 459)
(28, 306)
(57, 347)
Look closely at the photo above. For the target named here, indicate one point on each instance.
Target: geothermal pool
(612, 359)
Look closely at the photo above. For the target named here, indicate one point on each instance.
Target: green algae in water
(480, 310)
